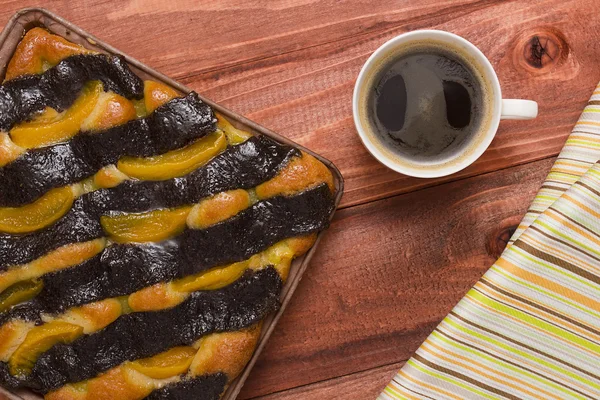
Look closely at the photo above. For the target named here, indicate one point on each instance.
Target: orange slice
(39, 340)
(174, 163)
(39, 214)
(52, 127)
(151, 226)
(173, 362)
(234, 135)
(215, 278)
(19, 293)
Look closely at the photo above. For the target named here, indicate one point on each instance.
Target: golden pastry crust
(37, 49)
(61, 258)
(115, 384)
(111, 110)
(156, 297)
(156, 94)
(218, 208)
(9, 151)
(12, 335)
(226, 352)
(108, 177)
(300, 174)
(301, 244)
(94, 316)
(282, 254)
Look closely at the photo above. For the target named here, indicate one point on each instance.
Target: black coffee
(426, 104)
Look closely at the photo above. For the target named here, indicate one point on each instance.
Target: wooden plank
(291, 65)
(307, 94)
(387, 272)
(358, 386)
(189, 37)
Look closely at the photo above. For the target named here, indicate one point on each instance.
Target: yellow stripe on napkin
(581, 150)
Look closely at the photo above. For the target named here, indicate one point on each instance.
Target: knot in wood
(541, 50)
(498, 241)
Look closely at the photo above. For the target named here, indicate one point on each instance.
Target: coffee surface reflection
(425, 104)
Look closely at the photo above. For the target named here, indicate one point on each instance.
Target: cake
(143, 238)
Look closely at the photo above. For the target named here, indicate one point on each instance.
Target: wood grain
(404, 250)
(291, 65)
(387, 272)
(359, 386)
(318, 82)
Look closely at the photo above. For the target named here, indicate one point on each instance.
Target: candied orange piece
(174, 163)
(48, 115)
(50, 127)
(156, 94)
(218, 208)
(234, 135)
(215, 278)
(39, 340)
(151, 226)
(19, 293)
(39, 214)
(173, 362)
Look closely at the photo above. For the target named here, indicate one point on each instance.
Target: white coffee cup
(497, 108)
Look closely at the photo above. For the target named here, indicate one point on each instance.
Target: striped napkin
(530, 328)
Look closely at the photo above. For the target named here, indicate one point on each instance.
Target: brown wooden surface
(402, 251)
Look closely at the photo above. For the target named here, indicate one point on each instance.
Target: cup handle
(518, 109)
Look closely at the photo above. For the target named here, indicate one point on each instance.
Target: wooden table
(401, 251)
